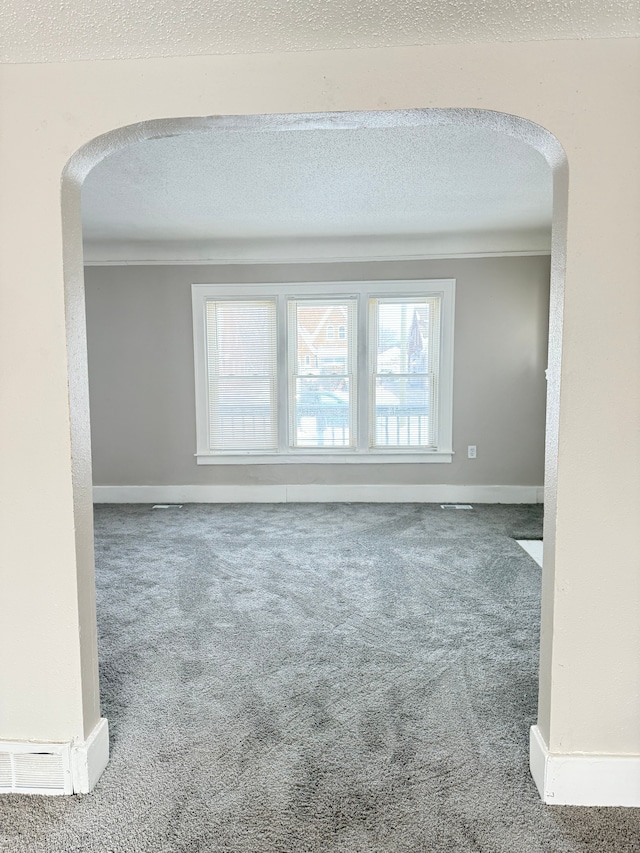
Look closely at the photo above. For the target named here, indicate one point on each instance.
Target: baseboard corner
(538, 754)
(583, 779)
(89, 758)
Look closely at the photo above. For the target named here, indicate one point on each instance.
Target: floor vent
(167, 506)
(6, 772)
(456, 506)
(25, 771)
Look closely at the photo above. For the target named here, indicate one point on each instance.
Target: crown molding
(321, 250)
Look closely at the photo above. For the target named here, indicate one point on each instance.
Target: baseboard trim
(583, 779)
(54, 769)
(315, 493)
(89, 759)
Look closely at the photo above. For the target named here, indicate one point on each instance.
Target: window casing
(380, 390)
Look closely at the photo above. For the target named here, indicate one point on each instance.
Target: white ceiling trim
(384, 247)
(265, 261)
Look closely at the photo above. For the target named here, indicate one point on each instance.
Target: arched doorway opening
(89, 156)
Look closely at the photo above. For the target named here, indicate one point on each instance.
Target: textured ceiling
(60, 30)
(317, 184)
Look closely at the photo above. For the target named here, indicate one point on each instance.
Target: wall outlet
(471, 451)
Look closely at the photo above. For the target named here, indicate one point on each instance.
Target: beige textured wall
(142, 387)
(587, 93)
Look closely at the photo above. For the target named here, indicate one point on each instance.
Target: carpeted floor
(316, 679)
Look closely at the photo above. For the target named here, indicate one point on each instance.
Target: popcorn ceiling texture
(315, 183)
(63, 30)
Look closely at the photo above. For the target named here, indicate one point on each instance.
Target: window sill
(306, 458)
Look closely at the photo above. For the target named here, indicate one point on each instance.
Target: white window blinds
(241, 374)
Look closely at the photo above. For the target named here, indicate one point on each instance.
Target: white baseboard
(315, 493)
(32, 767)
(583, 779)
(89, 759)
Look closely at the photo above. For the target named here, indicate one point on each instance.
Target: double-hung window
(341, 371)
(322, 400)
(404, 373)
(241, 375)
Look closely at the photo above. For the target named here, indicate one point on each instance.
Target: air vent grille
(6, 771)
(41, 772)
(38, 771)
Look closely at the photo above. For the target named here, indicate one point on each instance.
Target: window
(322, 406)
(241, 373)
(404, 350)
(274, 382)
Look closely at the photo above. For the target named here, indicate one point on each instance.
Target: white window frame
(363, 291)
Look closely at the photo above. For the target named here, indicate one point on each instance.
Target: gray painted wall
(142, 387)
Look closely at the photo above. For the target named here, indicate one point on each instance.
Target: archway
(85, 159)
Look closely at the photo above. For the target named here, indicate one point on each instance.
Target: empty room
(273, 437)
(313, 354)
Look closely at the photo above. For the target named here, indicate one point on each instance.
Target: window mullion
(362, 375)
(282, 374)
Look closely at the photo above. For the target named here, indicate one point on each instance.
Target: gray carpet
(316, 679)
